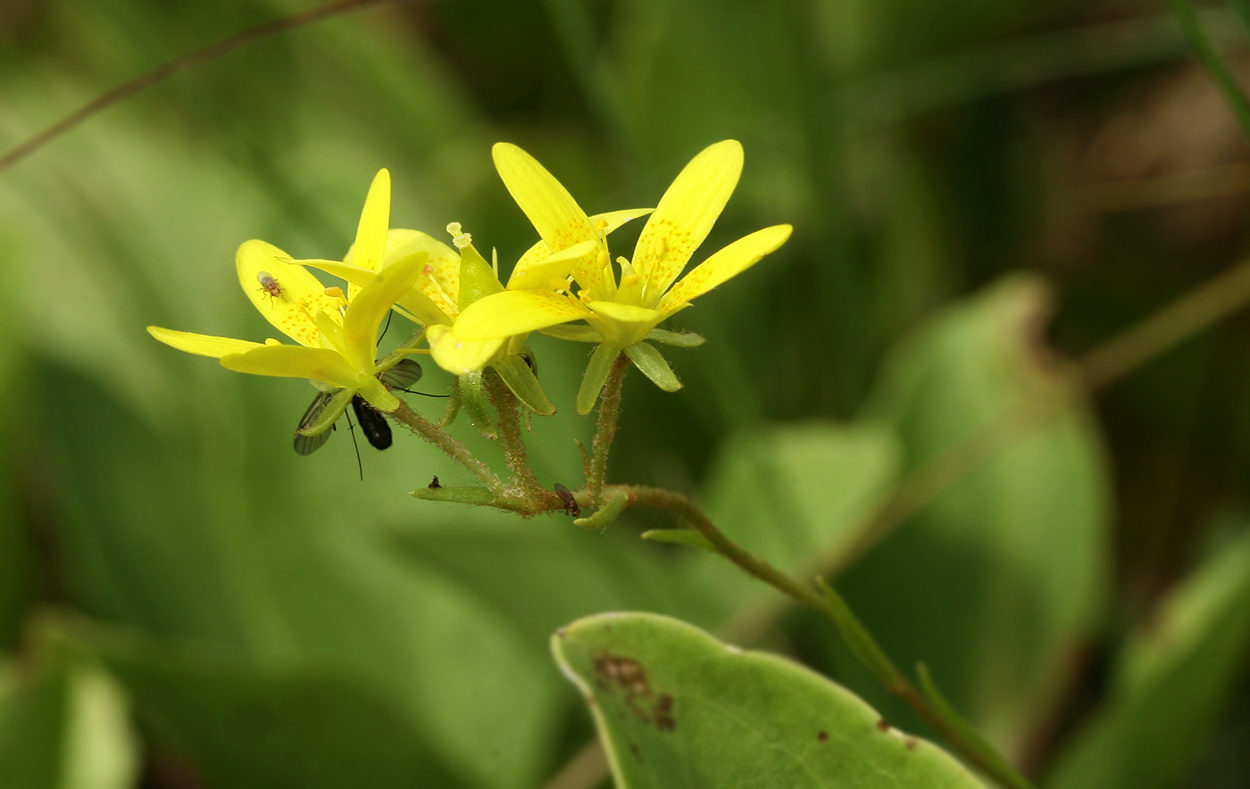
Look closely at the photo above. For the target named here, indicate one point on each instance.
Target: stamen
(335, 292)
(459, 238)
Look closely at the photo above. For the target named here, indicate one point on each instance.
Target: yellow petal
(514, 312)
(360, 324)
(729, 262)
(375, 217)
(201, 344)
(284, 292)
(685, 216)
(294, 361)
(524, 275)
(459, 356)
(551, 209)
(605, 223)
(626, 313)
(416, 306)
(549, 273)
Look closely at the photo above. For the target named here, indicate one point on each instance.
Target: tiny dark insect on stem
(568, 500)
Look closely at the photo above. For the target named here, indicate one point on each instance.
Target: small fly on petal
(269, 285)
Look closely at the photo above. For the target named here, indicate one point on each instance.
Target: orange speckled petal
(729, 262)
(286, 293)
(685, 216)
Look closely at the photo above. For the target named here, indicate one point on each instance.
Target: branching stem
(454, 448)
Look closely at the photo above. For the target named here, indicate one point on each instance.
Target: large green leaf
(796, 492)
(242, 724)
(550, 573)
(1170, 683)
(998, 581)
(677, 708)
(64, 725)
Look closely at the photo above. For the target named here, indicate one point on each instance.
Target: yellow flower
(622, 314)
(449, 280)
(337, 340)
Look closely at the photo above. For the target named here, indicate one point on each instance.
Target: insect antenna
(360, 466)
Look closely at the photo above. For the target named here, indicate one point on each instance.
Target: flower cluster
(565, 285)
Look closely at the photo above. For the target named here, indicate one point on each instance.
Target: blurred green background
(978, 190)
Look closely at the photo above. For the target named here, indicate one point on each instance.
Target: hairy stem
(605, 430)
(454, 448)
(514, 451)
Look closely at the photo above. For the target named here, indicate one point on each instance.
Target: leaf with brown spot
(719, 716)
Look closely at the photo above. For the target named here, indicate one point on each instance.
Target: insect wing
(404, 374)
(372, 423)
(306, 445)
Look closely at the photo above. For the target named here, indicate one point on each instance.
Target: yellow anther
(335, 292)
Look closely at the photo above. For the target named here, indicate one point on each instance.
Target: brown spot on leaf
(633, 748)
(882, 725)
(911, 743)
(823, 736)
(629, 675)
(664, 720)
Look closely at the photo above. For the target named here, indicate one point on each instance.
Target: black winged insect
(372, 423)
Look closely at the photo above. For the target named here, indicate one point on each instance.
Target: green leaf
(64, 724)
(799, 492)
(1170, 683)
(1005, 568)
(458, 494)
(676, 708)
(653, 365)
(543, 578)
(245, 724)
(613, 505)
(677, 339)
(688, 537)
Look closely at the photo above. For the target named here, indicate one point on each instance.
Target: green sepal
(473, 398)
(524, 384)
(679, 339)
(477, 277)
(331, 410)
(653, 365)
(689, 537)
(596, 376)
(607, 514)
(565, 331)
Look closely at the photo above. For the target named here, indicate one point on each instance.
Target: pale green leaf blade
(1169, 686)
(676, 708)
(64, 723)
(800, 494)
(1005, 567)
